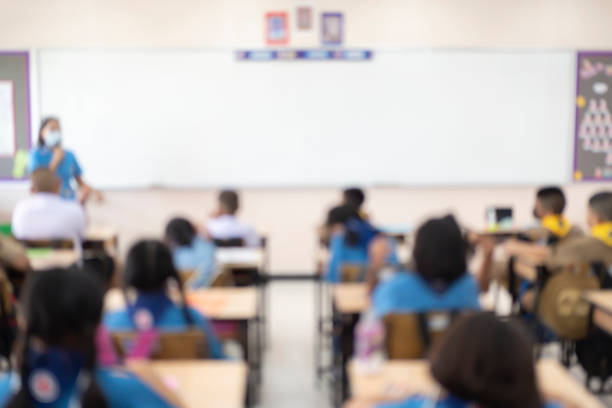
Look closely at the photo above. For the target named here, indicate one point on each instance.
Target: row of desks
(401, 379)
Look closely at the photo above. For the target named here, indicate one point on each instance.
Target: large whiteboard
(415, 117)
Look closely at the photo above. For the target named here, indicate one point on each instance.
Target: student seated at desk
(46, 215)
(191, 252)
(595, 247)
(482, 362)
(553, 227)
(225, 226)
(57, 357)
(352, 198)
(350, 244)
(440, 280)
(149, 270)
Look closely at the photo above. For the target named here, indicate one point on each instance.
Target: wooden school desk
(204, 383)
(103, 235)
(602, 313)
(400, 379)
(240, 257)
(42, 258)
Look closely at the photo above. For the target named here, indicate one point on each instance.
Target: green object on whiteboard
(20, 163)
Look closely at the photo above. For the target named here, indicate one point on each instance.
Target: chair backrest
(48, 243)
(186, 274)
(185, 345)
(352, 272)
(223, 279)
(410, 335)
(229, 243)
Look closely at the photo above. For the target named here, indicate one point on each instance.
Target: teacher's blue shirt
(67, 170)
(407, 292)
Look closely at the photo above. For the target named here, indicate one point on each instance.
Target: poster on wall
(593, 126)
(277, 28)
(8, 137)
(331, 28)
(304, 18)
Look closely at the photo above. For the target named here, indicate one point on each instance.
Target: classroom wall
(290, 216)
(239, 23)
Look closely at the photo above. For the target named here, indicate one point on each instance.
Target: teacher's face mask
(53, 138)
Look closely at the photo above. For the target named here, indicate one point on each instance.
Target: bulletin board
(593, 123)
(14, 111)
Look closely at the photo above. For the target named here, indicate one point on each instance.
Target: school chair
(352, 272)
(48, 243)
(247, 276)
(411, 335)
(229, 243)
(185, 345)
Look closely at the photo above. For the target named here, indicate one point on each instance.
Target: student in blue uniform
(440, 279)
(350, 244)
(148, 271)
(482, 362)
(191, 252)
(57, 357)
(50, 153)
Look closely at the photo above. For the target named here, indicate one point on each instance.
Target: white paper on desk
(238, 256)
(7, 119)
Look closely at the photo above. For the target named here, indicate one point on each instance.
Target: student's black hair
(552, 199)
(355, 197)
(99, 264)
(43, 124)
(440, 252)
(341, 215)
(601, 204)
(229, 200)
(487, 361)
(180, 232)
(149, 267)
(61, 307)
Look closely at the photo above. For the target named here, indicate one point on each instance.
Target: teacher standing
(50, 153)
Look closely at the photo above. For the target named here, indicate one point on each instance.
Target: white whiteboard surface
(137, 118)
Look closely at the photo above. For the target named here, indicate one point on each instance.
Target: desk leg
(254, 359)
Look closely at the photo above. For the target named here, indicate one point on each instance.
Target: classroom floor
(289, 373)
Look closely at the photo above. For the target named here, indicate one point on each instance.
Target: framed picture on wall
(332, 28)
(304, 18)
(277, 28)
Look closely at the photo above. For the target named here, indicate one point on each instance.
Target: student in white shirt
(225, 226)
(46, 215)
